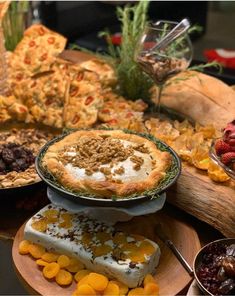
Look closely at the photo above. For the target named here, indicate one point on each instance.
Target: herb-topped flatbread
(84, 98)
(37, 50)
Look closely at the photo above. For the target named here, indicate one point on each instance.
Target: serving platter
(171, 177)
(170, 275)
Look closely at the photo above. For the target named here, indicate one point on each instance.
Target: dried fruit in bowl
(216, 173)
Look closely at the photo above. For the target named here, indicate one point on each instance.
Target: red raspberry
(228, 157)
(229, 133)
(221, 147)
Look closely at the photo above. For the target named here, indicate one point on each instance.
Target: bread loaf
(202, 97)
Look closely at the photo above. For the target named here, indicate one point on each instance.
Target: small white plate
(109, 215)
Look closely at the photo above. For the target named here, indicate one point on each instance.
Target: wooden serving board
(194, 192)
(170, 275)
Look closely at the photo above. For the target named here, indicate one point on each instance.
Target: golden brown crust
(37, 50)
(160, 162)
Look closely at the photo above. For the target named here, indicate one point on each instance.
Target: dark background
(81, 21)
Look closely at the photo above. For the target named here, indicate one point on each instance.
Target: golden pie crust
(142, 170)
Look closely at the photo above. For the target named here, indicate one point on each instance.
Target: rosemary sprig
(201, 67)
(133, 83)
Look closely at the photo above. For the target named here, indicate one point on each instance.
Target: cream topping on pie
(126, 174)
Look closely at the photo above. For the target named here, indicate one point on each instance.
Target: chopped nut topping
(119, 171)
(138, 161)
(141, 148)
(93, 154)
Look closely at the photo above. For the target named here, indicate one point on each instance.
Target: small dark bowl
(198, 261)
(82, 198)
(14, 193)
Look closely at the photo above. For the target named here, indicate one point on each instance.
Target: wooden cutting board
(170, 275)
(194, 192)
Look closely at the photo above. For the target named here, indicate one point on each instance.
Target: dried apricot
(40, 225)
(51, 270)
(103, 236)
(97, 281)
(130, 247)
(51, 215)
(137, 257)
(151, 289)
(64, 278)
(101, 250)
(136, 292)
(123, 289)
(74, 265)
(85, 290)
(24, 247)
(41, 262)
(111, 289)
(36, 251)
(81, 274)
(63, 261)
(66, 223)
(86, 238)
(119, 238)
(50, 257)
(148, 279)
(83, 281)
(146, 248)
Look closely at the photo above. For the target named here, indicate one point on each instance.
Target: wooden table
(12, 218)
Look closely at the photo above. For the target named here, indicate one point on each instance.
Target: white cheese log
(69, 241)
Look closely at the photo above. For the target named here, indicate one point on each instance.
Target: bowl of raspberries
(223, 150)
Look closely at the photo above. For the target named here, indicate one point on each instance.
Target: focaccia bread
(106, 163)
(44, 96)
(36, 52)
(204, 98)
(105, 72)
(84, 98)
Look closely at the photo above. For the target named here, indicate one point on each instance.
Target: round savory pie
(106, 163)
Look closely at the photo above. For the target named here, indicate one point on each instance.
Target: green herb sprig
(133, 83)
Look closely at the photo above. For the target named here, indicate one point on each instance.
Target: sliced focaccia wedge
(84, 98)
(37, 50)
